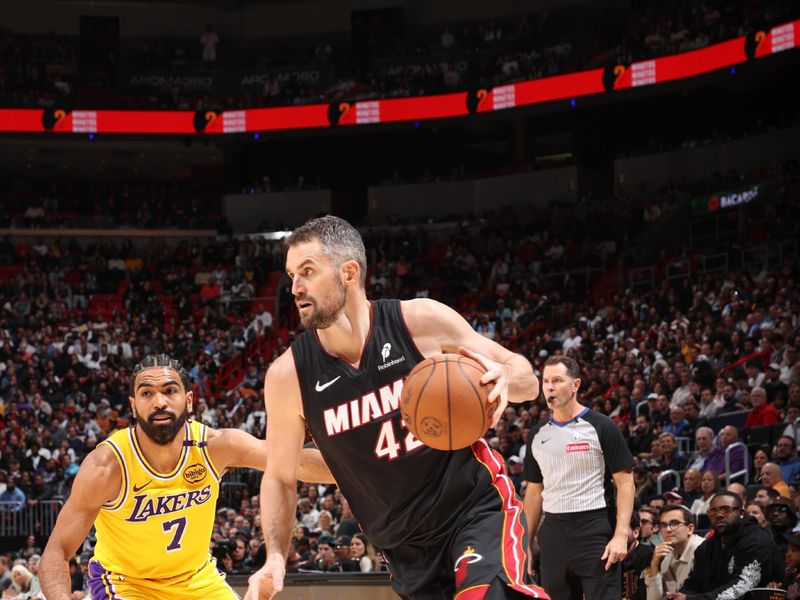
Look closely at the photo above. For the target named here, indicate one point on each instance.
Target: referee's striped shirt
(575, 460)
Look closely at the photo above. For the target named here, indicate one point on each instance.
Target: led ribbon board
(526, 93)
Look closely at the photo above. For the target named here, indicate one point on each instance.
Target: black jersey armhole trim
(420, 356)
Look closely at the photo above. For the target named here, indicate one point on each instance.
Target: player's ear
(351, 271)
(190, 402)
(133, 407)
(576, 383)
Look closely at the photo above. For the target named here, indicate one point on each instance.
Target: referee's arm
(533, 515)
(617, 548)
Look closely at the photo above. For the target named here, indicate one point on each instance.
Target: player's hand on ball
(497, 374)
(268, 580)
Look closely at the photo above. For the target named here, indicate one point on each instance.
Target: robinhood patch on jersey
(195, 473)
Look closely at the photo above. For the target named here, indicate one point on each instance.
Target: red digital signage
(391, 110)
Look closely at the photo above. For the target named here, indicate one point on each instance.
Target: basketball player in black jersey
(448, 523)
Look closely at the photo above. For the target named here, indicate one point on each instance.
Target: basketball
(443, 402)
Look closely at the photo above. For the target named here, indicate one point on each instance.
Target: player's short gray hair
(339, 240)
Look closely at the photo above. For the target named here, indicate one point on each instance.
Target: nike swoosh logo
(141, 487)
(319, 387)
(545, 441)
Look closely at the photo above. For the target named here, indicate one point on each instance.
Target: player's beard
(325, 314)
(162, 434)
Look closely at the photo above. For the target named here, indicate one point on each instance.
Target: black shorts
(571, 546)
(484, 558)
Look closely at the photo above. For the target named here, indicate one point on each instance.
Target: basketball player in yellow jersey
(151, 492)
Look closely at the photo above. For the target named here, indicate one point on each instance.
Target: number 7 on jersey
(180, 527)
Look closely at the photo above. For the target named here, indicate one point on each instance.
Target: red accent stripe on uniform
(513, 552)
(476, 592)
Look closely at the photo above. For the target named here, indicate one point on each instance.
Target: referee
(569, 465)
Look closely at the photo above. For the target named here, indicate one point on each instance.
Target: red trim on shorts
(476, 592)
(513, 552)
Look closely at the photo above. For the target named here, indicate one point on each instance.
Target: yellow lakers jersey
(160, 524)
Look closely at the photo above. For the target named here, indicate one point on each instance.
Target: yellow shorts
(206, 583)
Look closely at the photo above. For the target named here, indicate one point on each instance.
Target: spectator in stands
(691, 486)
(25, 583)
(763, 412)
(5, 574)
(252, 561)
(635, 563)
(755, 377)
(705, 448)
(363, 553)
(238, 553)
(341, 549)
(738, 489)
(677, 422)
(13, 498)
(515, 469)
(708, 407)
(781, 518)
(791, 579)
(648, 524)
(729, 401)
(660, 418)
(771, 477)
(709, 485)
(765, 495)
(760, 457)
(347, 523)
(307, 514)
(785, 455)
(739, 456)
(325, 559)
(673, 559)
(682, 393)
(739, 556)
(324, 523)
(755, 509)
(773, 385)
(30, 548)
(641, 437)
(671, 457)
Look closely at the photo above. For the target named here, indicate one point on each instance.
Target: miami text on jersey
(360, 411)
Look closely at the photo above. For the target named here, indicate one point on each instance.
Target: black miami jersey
(400, 490)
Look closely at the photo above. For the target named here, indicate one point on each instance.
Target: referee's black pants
(571, 546)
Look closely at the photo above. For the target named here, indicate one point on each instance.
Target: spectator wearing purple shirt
(740, 457)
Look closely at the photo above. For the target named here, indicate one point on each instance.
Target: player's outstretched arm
(285, 436)
(232, 448)
(99, 473)
(437, 328)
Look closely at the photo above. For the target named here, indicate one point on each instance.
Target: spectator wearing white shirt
(673, 558)
(572, 341)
